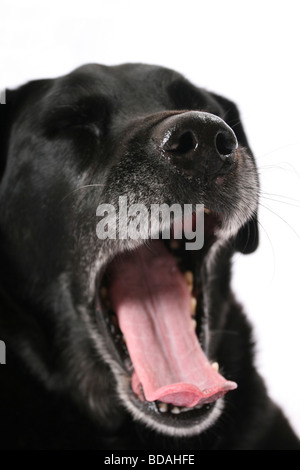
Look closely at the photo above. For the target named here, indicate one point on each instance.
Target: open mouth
(151, 301)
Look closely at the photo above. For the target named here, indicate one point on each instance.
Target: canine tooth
(174, 244)
(194, 323)
(193, 305)
(175, 410)
(215, 366)
(163, 407)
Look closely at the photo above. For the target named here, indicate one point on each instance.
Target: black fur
(67, 145)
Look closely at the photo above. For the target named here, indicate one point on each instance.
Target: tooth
(174, 244)
(175, 410)
(193, 305)
(207, 211)
(194, 323)
(215, 366)
(163, 407)
(184, 409)
(189, 278)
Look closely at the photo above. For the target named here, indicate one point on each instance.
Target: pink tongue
(152, 303)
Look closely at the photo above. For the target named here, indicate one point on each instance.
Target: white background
(247, 51)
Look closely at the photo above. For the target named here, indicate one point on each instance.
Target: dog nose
(197, 143)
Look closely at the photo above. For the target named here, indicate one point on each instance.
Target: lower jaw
(160, 417)
(166, 419)
(185, 424)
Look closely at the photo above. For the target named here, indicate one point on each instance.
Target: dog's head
(114, 307)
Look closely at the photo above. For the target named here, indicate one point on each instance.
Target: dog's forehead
(132, 89)
(126, 83)
(140, 75)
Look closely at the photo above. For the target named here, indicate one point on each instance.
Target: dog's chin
(185, 424)
(176, 409)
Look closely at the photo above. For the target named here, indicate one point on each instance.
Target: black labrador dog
(115, 341)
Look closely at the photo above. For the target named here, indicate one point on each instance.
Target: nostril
(185, 143)
(225, 143)
(196, 143)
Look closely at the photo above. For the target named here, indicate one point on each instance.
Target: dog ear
(247, 239)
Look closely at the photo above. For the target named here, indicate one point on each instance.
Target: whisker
(291, 169)
(277, 149)
(237, 123)
(96, 185)
(272, 248)
(281, 202)
(283, 196)
(281, 218)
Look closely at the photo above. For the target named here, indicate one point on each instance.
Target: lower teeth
(165, 407)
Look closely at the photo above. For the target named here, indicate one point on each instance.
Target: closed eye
(89, 114)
